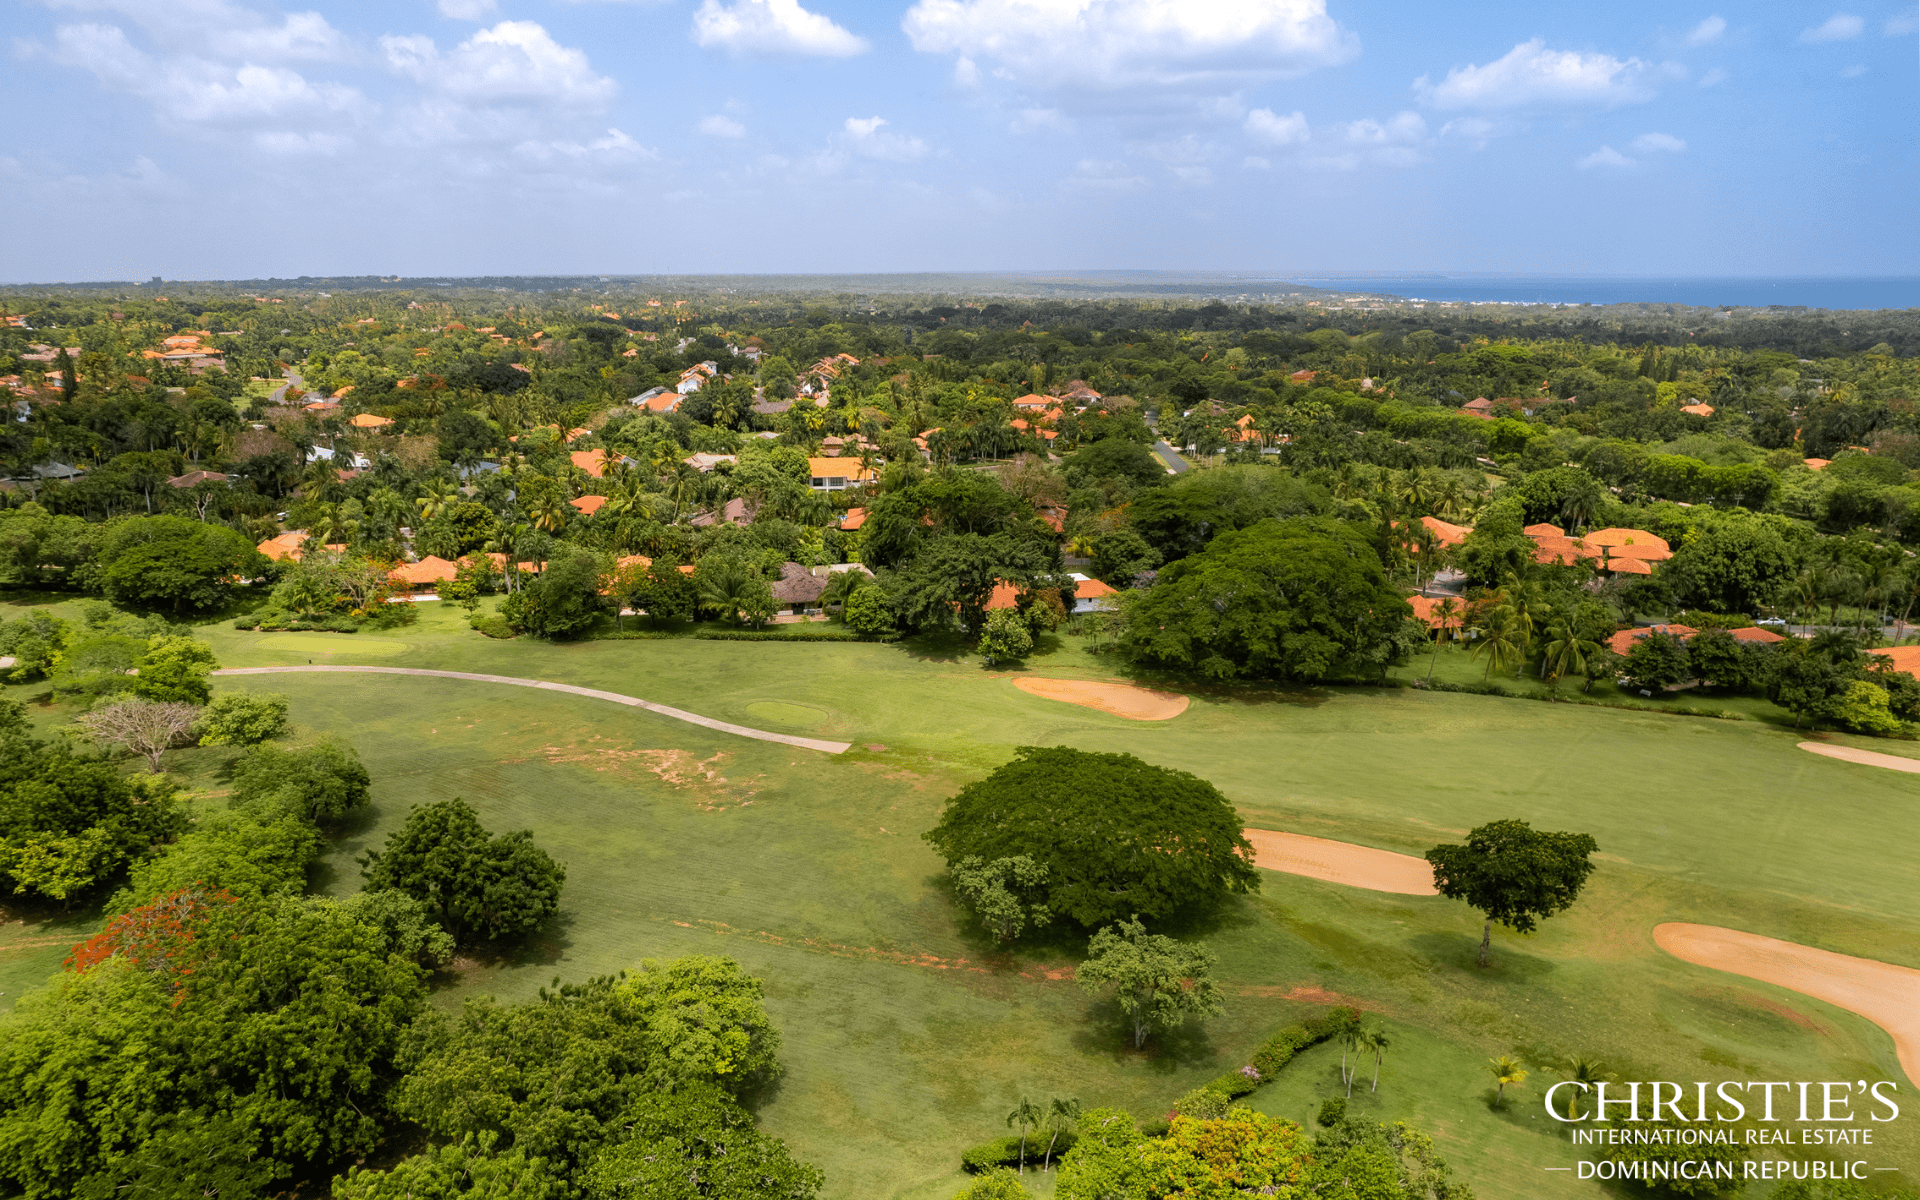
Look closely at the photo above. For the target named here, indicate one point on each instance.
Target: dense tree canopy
(1301, 599)
(1115, 835)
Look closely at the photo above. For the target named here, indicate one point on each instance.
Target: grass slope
(908, 1037)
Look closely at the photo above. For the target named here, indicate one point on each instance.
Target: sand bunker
(1887, 995)
(1342, 862)
(1120, 699)
(1866, 758)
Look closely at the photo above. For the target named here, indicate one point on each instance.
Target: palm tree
(1378, 1042)
(1445, 612)
(1500, 639)
(1026, 1114)
(1506, 1070)
(1416, 489)
(1349, 1036)
(1062, 1115)
(1580, 507)
(1587, 1071)
(440, 496)
(1566, 653)
(549, 512)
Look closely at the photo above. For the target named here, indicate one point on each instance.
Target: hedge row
(740, 635)
(1005, 1151)
(1494, 689)
(272, 624)
(1273, 1054)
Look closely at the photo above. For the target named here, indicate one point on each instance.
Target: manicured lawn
(906, 1037)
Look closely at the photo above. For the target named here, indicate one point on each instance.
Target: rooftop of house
(854, 519)
(431, 569)
(588, 505)
(369, 421)
(839, 468)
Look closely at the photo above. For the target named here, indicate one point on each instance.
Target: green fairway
(906, 1036)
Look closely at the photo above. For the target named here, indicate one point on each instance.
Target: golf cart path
(1866, 758)
(592, 693)
(1887, 995)
(1342, 862)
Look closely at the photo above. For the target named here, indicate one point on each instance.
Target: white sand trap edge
(1120, 699)
(1866, 758)
(1342, 862)
(1887, 995)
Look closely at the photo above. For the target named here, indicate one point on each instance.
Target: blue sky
(239, 138)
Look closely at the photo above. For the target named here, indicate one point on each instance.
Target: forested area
(576, 456)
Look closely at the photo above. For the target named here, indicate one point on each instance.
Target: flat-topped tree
(1513, 874)
(1111, 835)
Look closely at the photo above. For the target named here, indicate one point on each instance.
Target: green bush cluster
(1278, 1050)
(278, 622)
(494, 627)
(1005, 1151)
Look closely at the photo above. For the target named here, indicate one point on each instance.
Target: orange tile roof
(855, 518)
(285, 547)
(588, 504)
(1626, 566)
(1091, 589)
(1816, 464)
(1698, 410)
(1621, 642)
(431, 569)
(1904, 658)
(1035, 400)
(1753, 633)
(1544, 530)
(593, 462)
(369, 421)
(1448, 533)
(1626, 537)
(844, 468)
(1423, 610)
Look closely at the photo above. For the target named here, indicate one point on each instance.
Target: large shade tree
(1513, 874)
(1302, 599)
(1115, 836)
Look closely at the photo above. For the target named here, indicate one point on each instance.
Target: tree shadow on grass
(1461, 952)
(1105, 1029)
(938, 646)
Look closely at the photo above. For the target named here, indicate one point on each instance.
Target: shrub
(998, 1184)
(242, 719)
(1203, 1104)
(493, 627)
(1005, 1151)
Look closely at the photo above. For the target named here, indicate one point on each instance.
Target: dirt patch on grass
(1120, 699)
(1342, 862)
(873, 953)
(1866, 758)
(1887, 995)
(676, 768)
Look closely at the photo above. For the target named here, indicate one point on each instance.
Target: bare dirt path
(1887, 995)
(1342, 862)
(677, 714)
(1866, 758)
(1120, 699)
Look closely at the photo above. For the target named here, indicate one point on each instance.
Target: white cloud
(1853, 72)
(284, 144)
(1097, 175)
(1531, 74)
(1901, 24)
(867, 137)
(1713, 78)
(1474, 131)
(1706, 33)
(1110, 44)
(772, 27)
(1840, 27)
(514, 60)
(1606, 157)
(467, 10)
(1265, 125)
(1029, 119)
(1404, 127)
(196, 90)
(1253, 162)
(615, 145)
(720, 125)
(1648, 143)
(222, 30)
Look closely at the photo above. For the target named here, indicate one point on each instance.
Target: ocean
(1754, 292)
